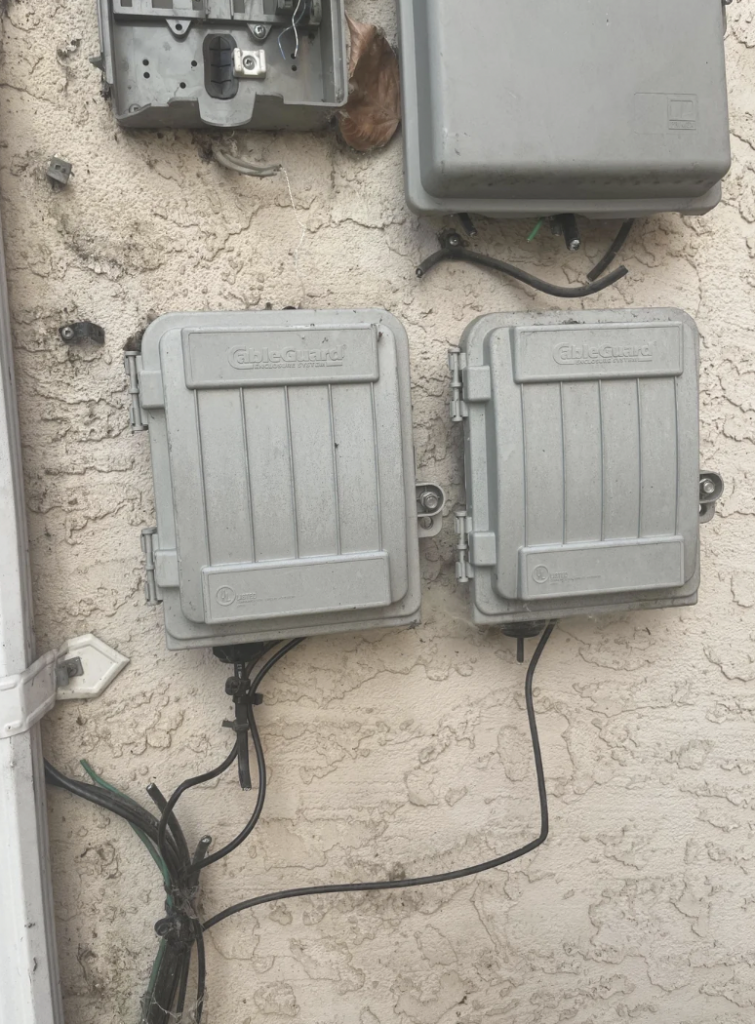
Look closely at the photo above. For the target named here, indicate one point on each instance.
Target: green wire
(145, 839)
(154, 854)
(533, 234)
(149, 994)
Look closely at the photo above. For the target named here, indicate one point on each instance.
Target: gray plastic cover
(591, 107)
(284, 473)
(170, 63)
(581, 462)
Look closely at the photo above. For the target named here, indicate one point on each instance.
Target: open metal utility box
(265, 64)
(581, 463)
(594, 107)
(284, 474)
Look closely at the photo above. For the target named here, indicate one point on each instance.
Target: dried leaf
(373, 113)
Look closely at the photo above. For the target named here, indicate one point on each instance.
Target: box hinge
(457, 361)
(138, 421)
(148, 547)
(464, 570)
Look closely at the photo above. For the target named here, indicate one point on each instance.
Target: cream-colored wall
(397, 752)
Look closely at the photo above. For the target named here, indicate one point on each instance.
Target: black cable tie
(238, 727)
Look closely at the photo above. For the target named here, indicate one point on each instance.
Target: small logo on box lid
(542, 574)
(682, 113)
(245, 358)
(567, 354)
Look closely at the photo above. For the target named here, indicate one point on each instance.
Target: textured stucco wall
(397, 752)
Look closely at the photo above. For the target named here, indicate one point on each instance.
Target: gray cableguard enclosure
(170, 63)
(284, 473)
(607, 108)
(582, 463)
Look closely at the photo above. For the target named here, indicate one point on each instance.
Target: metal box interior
(170, 63)
(284, 474)
(590, 107)
(581, 463)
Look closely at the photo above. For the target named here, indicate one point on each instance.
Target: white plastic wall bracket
(27, 696)
(99, 665)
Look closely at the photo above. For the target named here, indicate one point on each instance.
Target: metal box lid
(581, 462)
(284, 473)
(263, 64)
(592, 107)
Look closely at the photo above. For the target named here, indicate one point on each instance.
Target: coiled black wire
(446, 876)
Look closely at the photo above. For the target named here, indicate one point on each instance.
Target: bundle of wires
(181, 929)
(168, 984)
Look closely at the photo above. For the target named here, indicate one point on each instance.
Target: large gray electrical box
(595, 107)
(582, 471)
(284, 474)
(265, 64)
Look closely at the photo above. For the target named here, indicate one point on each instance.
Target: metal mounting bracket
(82, 331)
(59, 171)
(431, 501)
(711, 490)
(249, 63)
(81, 669)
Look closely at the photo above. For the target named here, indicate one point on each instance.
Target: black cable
(613, 251)
(189, 784)
(460, 254)
(199, 854)
(123, 808)
(201, 969)
(182, 989)
(172, 974)
(183, 968)
(261, 769)
(155, 794)
(274, 661)
(260, 803)
(259, 753)
(118, 803)
(448, 876)
(169, 993)
(245, 775)
(168, 981)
